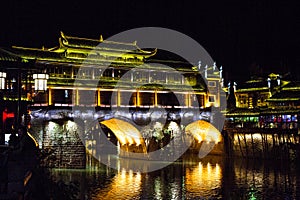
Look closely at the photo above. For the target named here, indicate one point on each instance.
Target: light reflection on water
(125, 185)
(189, 178)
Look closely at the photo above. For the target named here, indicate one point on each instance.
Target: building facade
(107, 64)
(266, 102)
(98, 76)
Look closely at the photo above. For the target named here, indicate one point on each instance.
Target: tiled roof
(31, 53)
(92, 44)
(291, 92)
(285, 96)
(256, 83)
(8, 56)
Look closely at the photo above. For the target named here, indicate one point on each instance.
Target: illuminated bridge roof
(32, 53)
(74, 51)
(78, 50)
(8, 56)
(92, 44)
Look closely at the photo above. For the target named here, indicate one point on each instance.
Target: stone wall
(60, 143)
(71, 156)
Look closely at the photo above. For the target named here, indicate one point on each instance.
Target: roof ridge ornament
(63, 39)
(101, 38)
(214, 66)
(62, 34)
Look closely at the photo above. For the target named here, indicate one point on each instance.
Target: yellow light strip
(138, 103)
(119, 98)
(35, 142)
(50, 96)
(99, 98)
(155, 99)
(76, 97)
(187, 102)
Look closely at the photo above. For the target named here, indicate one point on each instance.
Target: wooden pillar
(186, 99)
(76, 97)
(50, 96)
(138, 102)
(98, 98)
(155, 98)
(119, 98)
(240, 145)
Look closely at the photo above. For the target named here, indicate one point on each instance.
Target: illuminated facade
(80, 66)
(99, 76)
(270, 102)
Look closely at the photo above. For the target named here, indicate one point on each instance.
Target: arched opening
(206, 138)
(203, 131)
(128, 136)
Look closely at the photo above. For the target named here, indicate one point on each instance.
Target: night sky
(240, 36)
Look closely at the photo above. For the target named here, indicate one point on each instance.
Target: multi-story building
(104, 68)
(99, 75)
(271, 102)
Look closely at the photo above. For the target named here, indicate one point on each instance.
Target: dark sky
(237, 34)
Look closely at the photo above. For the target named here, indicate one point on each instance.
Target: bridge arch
(207, 138)
(123, 133)
(113, 136)
(203, 131)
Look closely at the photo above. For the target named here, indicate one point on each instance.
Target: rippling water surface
(189, 178)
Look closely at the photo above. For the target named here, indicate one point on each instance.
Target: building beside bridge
(272, 101)
(263, 119)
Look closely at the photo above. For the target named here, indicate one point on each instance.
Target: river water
(212, 177)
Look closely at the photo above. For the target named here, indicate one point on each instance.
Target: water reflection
(201, 179)
(125, 185)
(256, 179)
(189, 178)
